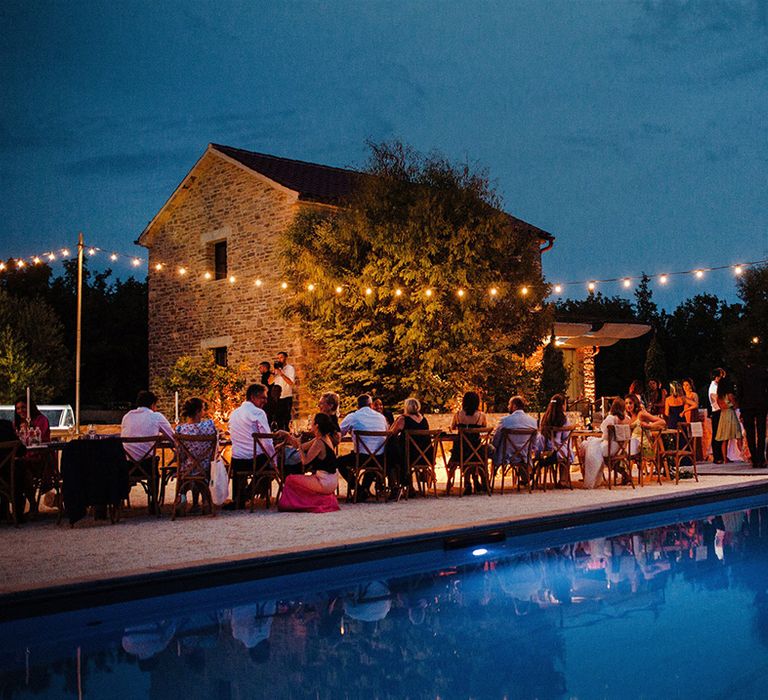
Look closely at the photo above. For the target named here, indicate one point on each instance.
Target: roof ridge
(290, 160)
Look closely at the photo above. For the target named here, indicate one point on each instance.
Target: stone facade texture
(187, 312)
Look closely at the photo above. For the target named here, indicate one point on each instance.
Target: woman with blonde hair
(674, 405)
(328, 403)
(410, 419)
(596, 448)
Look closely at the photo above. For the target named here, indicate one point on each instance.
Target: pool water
(671, 605)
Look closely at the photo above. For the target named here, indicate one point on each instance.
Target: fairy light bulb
(207, 275)
(2, 266)
(339, 290)
(258, 283)
(182, 271)
(558, 288)
(310, 287)
(428, 293)
(20, 263)
(36, 260)
(755, 340)
(158, 266)
(284, 285)
(65, 252)
(113, 257)
(627, 283)
(368, 291)
(460, 293)
(232, 279)
(524, 291)
(398, 292)
(493, 291)
(591, 286)
(91, 251)
(738, 270)
(51, 257)
(664, 279)
(699, 274)
(135, 262)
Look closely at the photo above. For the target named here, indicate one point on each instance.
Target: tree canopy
(428, 228)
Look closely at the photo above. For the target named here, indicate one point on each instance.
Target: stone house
(214, 267)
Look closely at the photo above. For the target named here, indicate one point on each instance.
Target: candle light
(177, 406)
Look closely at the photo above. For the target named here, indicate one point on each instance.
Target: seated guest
(195, 423)
(469, 416)
(378, 405)
(144, 421)
(366, 419)
(517, 419)
(596, 448)
(314, 492)
(552, 439)
(639, 419)
(411, 419)
(34, 466)
(636, 390)
(329, 405)
(246, 419)
(8, 434)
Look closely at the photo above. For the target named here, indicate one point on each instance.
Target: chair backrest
(473, 445)
(560, 440)
(146, 447)
(688, 433)
(620, 436)
(519, 444)
(273, 456)
(421, 447)
(8, 452)
(375, 444)
(650, 437)
(191, 458)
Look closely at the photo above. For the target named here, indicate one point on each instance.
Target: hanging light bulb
(207, 275)
(738, 270)
(182, 271)
(428, 293)
(663, 279)
(91, 251)
(135, 262)
(591, 286)
(65, 252)
(755, 340)
(699, 274)
(524, 291)
(20, 263)
(36, 260)
(627, 283)
(398, 292)
(310, 287)
(232, 279)
(258, 283)
(493, 291)
(284, 285)
(368, 291)
(158, 266)
(558, 288)
(460, 293)
(339, 290)
(2, 265)
(51, 256)
(113, 257)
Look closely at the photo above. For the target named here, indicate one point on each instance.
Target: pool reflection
(508, 627)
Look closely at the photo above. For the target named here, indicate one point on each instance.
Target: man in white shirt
(144, 421)
(714, 406)
(285, 378)
(246, 419)
(517, 419)
(364, 418)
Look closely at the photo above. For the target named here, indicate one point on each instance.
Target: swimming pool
(666, 605)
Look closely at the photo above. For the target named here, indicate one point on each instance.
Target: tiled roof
(313, 182)
(323, 183)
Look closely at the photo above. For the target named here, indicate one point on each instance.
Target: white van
(61, 418)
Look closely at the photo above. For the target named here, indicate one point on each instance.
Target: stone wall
(189, 312)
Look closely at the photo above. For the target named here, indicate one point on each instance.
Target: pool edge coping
(33, 601)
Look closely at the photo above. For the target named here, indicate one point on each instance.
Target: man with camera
(285, 377)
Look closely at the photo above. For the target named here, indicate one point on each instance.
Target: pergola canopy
(580, 335)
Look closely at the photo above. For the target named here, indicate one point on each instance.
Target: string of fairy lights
(182, 270)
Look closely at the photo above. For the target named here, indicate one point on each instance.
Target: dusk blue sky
(635, 132)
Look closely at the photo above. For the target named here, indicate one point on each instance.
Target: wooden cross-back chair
(8, 452)
(421, 448)
(558, 456)
(263, 475)
(517, 457)
(191, 471)
(688, 437)
(368, 462)
(648, 462)
(144, 469)
(619, 458)
(474, 452)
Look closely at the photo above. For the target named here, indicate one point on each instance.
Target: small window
(220, 356)
(220, 260)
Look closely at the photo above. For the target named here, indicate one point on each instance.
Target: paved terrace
(41, 554)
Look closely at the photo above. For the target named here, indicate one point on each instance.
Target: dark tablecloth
(93, 473)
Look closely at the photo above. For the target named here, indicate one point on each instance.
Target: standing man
(714, 412)
(245, 420)
(285, 378)
(752, 393)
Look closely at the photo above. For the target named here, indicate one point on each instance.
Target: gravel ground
(43, 554)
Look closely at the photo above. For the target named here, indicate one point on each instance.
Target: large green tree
(431, 273)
